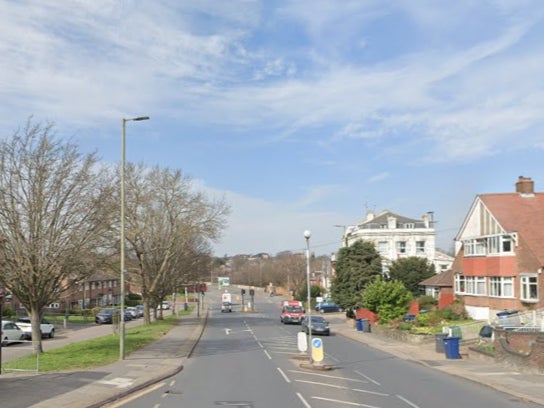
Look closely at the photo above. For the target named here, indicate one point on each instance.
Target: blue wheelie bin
(451, 347)
(359, 324)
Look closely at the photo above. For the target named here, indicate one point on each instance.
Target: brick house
(500, 252)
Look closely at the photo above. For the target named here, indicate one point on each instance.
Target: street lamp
(122, 289)
(307, 235)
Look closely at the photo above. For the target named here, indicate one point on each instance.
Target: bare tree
(54, 228)
(163, 216)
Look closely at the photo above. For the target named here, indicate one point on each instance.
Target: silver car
(11, 333)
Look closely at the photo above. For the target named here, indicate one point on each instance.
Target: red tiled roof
(523, 214)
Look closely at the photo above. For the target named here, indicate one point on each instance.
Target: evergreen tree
(389, 299)
(411, 271)
(356, 266)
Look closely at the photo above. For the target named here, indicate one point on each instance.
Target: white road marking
(328, 376)
(408, 402)
(300, 397)
(268, 355)
(284, 375)
(117, 382)
(367, 377)
(381, 394)
(135, 396)
(355, 404)
(340, 387)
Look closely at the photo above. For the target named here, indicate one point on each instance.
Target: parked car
(134, 314)
(326, 307)
(108, 314)
(140, 310)
(319, 325)
(164, 305)
(47, 329)
(11, 333)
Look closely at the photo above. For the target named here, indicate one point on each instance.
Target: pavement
(166, 356)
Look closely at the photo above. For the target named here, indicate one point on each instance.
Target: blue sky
(301, 114)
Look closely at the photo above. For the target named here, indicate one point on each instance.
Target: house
(440, 287)
(500, 252)
(396, 236)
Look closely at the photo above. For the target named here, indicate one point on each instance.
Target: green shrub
(427, 303)
(8, 312)
(405, 326)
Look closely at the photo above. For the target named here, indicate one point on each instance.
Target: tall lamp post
(122, 289)
(307, 235)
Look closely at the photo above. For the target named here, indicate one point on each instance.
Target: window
(470, 285)
(529, 288)
(409, 225)
(383, 247)
(420, 247)
(492, 245)
(401, 247)
(501, 287)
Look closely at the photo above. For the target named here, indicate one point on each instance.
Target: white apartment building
(396, 237)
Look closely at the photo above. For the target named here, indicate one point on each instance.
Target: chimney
(525, 186)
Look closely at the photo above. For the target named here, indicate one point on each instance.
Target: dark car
(326, 307)
(108, 314)
(319, 325)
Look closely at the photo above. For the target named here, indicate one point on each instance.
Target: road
(245, 360)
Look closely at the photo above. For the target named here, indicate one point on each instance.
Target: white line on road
(267, 355)
(284, 375)
(340, 387)
(328, 376)
(260, 344)
(355, 404)
(381, 394)
(300, 397)
(408, 402)
(367, 377)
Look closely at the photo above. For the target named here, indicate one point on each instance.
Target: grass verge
(94, 352)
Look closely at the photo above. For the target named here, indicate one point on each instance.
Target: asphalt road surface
(245, 360)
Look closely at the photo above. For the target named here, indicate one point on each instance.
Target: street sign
(302, 342)
(317, 349)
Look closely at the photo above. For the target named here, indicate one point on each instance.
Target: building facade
(396, 237)
(500, 252)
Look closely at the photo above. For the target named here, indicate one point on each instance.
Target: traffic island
(316, 366)
(304, 356)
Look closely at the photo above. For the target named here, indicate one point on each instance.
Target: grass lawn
(95, 352)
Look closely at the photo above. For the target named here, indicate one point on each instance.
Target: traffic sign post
(317, 349)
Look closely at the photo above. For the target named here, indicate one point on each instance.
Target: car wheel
(5, 342)
(52, 334)
(321, 310)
